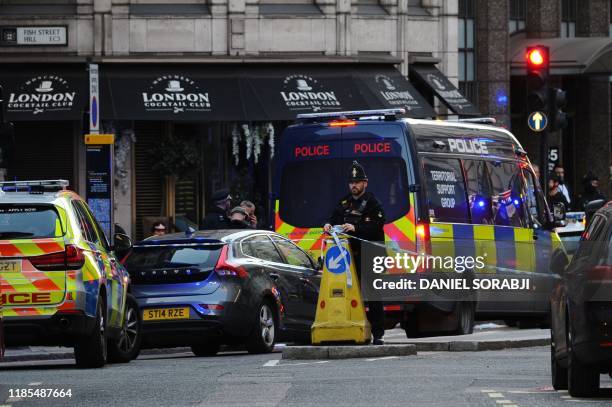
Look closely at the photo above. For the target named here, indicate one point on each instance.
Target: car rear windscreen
(157, 257)
(311, 189)
(24, 221)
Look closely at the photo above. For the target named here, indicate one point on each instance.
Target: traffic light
(537, 78)
(558, 100)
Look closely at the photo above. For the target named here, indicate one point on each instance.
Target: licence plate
(155, 314)
(10, 266)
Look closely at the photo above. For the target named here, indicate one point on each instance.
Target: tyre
(263, 335)
(465, 312)
(558, 372)
(209, 348)
(90, 351)
(127, 346)
(582, 380)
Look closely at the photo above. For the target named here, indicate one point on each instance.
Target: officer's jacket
(365, 213)
(215, 219)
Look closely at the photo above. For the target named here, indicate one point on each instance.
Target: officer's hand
(347, 227)
(327, 228)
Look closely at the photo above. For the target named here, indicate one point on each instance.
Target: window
(262, 248)
(323, 182)
(370, 7)
(38, 7)
(87, 229)
(467, 60)
(536, 207)
(495, 193)
(289, 7)
(29, 221)
(293, 254)
(96, 226)
(445, 190)
(568, 18)
(152, 257)
(517, 15)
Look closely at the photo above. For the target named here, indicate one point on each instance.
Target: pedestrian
(590, 182)
(555, 196)
(361, 215)
(536, 172)
(560, 172)
(250, 209)
(216, 214)
(158, 229)
(239, 218)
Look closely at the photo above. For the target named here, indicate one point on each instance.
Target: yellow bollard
(340, 315)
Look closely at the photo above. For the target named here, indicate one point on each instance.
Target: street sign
(537, 121)
(34, 35)
(99, 181)
(94, 97)
(337, 259)
(553, 157)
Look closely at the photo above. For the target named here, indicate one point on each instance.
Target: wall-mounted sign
(47, 35)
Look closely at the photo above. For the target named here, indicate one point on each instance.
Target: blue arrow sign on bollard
(335, 260)
(537, 121)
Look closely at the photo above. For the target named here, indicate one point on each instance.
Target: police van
(456, 187)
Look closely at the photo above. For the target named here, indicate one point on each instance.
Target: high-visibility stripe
(484, 236)
(524, 249)
(505, 247)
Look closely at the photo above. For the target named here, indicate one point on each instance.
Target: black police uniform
(368, 217)
(216, 217)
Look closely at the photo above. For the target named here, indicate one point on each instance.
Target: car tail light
(599, 273)
(226, 268)
(72, 258)
(213, 307)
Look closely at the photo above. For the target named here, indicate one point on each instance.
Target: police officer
(361, 215)
(216, 215)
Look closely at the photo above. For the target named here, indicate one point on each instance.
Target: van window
(311, 189)
(495, 193)
(536, 207)
(445, 190)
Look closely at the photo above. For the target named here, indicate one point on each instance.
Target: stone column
(543, 18)
(593, 123)
(492, 64)
(236, 19)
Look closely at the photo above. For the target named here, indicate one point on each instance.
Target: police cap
(221, 195)
(357, 173)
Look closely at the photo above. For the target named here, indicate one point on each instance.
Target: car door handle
(274, 276)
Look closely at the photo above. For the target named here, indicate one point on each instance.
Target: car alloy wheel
(266, 323)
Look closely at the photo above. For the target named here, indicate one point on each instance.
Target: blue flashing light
(517, 202)
(481, 203)
(502, 99)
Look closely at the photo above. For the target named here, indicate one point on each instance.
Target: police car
(60, 282)
(447, 188)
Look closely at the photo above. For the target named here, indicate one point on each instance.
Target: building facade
(578, 33)
(198, 91)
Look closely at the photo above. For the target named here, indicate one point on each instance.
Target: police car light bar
(354, 113)
(37, 186)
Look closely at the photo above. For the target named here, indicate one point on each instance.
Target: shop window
(370, 7)
(38, 7)
(568, 18)
(156, 8)
(289, 7)
(517, 13)
(467, 50)
(445, 190)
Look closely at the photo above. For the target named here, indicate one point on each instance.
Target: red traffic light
(537, 57)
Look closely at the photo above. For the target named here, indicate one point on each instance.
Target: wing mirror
(320, 263)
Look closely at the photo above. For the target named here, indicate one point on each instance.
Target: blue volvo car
(208, 288)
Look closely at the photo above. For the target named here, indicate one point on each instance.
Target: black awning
(251, 93)
(170, 93)
(45, 92)
(435, 80)
(391, 89)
